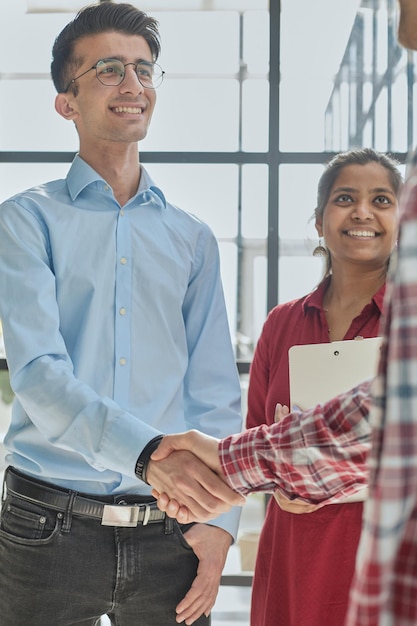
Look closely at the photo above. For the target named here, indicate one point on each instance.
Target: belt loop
(146, 514)
(66, 526)
(169, 525)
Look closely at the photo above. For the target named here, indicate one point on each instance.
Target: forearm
(317, 455)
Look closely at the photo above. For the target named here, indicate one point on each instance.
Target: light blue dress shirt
(115, 331)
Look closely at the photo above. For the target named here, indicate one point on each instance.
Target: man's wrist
(144, 457)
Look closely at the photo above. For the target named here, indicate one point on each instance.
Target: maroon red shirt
(300, 556)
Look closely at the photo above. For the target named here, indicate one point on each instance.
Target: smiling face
(360, 220)
(107, 114)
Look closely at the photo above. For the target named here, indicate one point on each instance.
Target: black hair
(99, 18)
(356, 156)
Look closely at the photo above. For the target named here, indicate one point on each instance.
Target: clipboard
(319, 372)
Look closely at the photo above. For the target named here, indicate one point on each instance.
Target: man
(384, 589)
(114, 320)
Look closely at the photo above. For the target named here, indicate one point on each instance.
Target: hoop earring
(320, 250)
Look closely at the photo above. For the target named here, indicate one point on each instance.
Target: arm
(319, 455)
(207, 450)
(211, 384)
(212, 406)
(71, 421)
(286, 504)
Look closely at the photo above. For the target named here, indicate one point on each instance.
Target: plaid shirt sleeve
(384, 589)
(318, 455)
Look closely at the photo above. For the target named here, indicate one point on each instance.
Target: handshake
(196, 477)
(306, 459)
(187, 478)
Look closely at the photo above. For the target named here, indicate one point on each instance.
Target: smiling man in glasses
(116, 332)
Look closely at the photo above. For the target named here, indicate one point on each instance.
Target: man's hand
(210, 545)
(203, 446)
(194, 489)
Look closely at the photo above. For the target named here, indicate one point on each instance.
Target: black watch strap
(144, 457)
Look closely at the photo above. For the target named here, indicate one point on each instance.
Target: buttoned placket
(123, 296)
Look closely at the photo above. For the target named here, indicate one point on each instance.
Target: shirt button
(123, 260)
(121, 212)
(106, 188)
(122, 311)
(122, 361)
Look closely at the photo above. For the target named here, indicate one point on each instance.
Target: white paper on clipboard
(321, 371)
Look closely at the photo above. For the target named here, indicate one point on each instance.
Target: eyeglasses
(111, 72)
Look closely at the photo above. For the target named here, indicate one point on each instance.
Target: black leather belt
(109, 514)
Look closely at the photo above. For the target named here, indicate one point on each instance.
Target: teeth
(361, 233)
(127, 110)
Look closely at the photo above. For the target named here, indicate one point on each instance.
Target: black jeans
(57, 574)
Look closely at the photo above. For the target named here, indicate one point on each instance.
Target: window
(255, 100)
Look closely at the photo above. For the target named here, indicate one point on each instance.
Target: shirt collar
(146, 183)
(315, 298)
(81, 175)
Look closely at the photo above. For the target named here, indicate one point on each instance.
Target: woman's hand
(281, 410)
(294, 506)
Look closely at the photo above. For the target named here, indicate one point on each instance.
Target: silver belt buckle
(120, 515)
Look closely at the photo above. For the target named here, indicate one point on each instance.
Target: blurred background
(257, 96)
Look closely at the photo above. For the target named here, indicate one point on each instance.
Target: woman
(305, 563)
